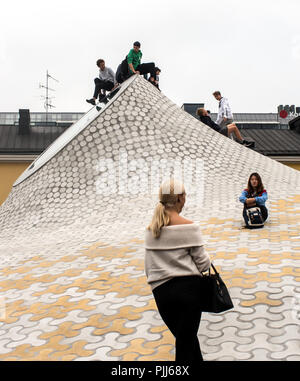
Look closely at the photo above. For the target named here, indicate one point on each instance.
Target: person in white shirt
(105, 82)
(224, 115)
(175, 258)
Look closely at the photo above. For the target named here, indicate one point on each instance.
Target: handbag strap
(215, 270)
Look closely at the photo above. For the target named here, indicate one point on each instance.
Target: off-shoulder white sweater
(179, 251)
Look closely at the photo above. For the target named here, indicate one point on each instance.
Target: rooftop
(40, 137)
(41, 118)
(275, 142)
(270, 132)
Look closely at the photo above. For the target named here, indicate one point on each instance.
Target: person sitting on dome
(105, 82)
(255, 195)
(225, 130)
(132, 65)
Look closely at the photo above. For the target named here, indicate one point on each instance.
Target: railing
(39, 118)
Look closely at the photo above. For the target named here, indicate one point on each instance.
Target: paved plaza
(72, 280)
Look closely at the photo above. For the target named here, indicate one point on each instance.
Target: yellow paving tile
(136, 345)
(261, 298)
(116, 326)
(131, 356)
(163, 353)
(64, 329)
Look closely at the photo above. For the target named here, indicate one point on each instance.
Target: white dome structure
(72, 281)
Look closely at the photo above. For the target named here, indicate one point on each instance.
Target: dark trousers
(146, 68)
(178, 302)
(264, 212)
(99, 85)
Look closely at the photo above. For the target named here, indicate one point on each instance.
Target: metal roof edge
(285, 158)
(16, 158)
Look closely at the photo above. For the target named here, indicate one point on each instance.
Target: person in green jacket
(136, 67)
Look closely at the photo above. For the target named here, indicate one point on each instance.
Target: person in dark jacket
(156, 81)
(226, 130)
(254, 195)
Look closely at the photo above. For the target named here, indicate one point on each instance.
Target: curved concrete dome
(71, 239)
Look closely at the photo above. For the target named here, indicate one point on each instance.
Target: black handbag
(215, 296)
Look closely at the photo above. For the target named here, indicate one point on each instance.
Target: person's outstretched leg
(98, 87)
(146, 68)
(233, 128)
(101, 85)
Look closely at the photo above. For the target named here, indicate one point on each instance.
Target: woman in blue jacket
(254, 195)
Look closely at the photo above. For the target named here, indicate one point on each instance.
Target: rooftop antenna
(47, 103)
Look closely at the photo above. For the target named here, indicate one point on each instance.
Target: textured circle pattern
(71, 251)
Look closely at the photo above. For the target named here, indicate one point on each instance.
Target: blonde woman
(174, 259)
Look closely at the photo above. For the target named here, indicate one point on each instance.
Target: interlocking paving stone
(72, 256)
(3, 346)
(230, 334)
(288, 319)
(141, 331)
(288, 331)
(101, 354)
(293, 358)
(261, 325)
(204, 331)
(259, 311)
(260, 355)
(260, 341)
(227, 348)
(32, 338)
(292, 347)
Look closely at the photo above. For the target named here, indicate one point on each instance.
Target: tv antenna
(47, 103)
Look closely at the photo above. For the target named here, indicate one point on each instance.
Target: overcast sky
(250, 51)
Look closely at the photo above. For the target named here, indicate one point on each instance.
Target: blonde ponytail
(168, 192)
